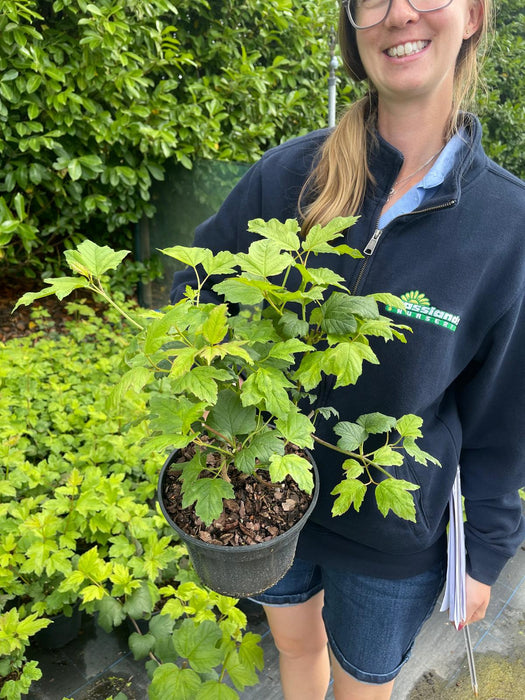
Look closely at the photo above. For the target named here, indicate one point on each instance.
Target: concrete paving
(97, 665)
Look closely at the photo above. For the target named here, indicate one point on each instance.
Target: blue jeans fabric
(371, 622)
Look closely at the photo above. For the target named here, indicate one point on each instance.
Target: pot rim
(252, 547)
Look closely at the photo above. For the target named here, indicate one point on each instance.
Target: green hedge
(94, 97)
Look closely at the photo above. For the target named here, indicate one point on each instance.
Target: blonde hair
(337, 185)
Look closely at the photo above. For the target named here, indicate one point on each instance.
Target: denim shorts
(371, 622)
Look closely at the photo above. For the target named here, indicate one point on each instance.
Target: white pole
(332, 81)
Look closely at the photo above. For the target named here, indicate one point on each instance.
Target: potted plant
(232, 394)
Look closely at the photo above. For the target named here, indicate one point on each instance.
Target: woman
(441, 226)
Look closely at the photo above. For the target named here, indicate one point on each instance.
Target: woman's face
(412, 55)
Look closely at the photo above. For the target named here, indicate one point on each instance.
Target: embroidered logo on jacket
(417, 305)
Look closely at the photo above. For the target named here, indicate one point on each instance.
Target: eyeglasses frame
(346, 5)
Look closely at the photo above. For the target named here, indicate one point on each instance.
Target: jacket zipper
(378, 232)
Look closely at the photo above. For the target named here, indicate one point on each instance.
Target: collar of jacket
(385, 163)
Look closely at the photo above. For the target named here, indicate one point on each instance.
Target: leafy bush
(94, 97)
(502, 110)
(79, 522)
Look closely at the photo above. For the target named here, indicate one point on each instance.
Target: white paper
(455, 596)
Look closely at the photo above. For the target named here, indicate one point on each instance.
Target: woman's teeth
(407, 49)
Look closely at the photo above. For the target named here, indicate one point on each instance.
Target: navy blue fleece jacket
(458, 262)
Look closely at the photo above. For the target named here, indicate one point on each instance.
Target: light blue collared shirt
(426, 187)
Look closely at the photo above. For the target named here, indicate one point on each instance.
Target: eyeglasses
(364, 14)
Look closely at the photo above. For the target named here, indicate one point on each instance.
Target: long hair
(337, 185)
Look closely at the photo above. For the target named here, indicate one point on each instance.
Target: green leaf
(393, 494)
(215, 690)
(264, 259)
(418, 454)
(239, 292)
(61, 286)
(318, 239)
(297, 467)
(208, 495)
(285, 234)
(223, 263)
(337, 318)
(241, 673)
(170, 682)
(352, 468)
(216, 325)
(297, 429)
(345, 360)
(308, 374)
(387, 457)
(191, 256)
(351, 435)
(110, 613)
(90, 259)
(375, 423)
(260, 447)
(409, 426)
(250, 652)
(199, 643)
(200, 381)
(141, 644)
(229, 417)
(133, 380)
(349, 492)
(389, 300)
(139, 603)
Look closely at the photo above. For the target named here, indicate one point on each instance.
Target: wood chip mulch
(259, 512)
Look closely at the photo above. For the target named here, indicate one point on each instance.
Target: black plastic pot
(240, 571)
(61, 631)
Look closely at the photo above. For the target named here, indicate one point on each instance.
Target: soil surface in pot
(259, 512)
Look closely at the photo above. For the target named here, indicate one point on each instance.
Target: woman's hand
(478, 597)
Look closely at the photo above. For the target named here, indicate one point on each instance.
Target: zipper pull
(372, 243)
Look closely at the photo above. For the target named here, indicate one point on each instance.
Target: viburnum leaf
(60, 286)
(215, 690)
(239, 291)
(318, 239)
(264, 259)
(352, 468)
(297, 467)
(169, 682)
(207, 494)
(216, 325)
(188, 255)
(351, 435)
(198, 642)
(285, 234)
(393, 494)
(221, 264)
(418, 454)
(387, 457)
(90, 259)
(345, 360)
(261, 447)
(409, 426)
(297, 429)
(308, 374)
(349, 492)
(375, 423)
(229, 417)
(141, 644)
(337, 316)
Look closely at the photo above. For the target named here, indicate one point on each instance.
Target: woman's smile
(409, 48)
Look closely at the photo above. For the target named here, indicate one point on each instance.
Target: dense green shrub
(502, 109)
(79, 523)
(94, 97)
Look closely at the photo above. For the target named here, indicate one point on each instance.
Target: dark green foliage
(94, 97)
(502, 109)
